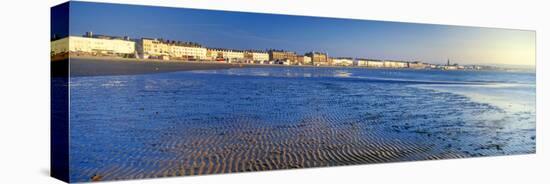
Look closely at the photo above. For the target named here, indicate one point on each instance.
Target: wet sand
(192, 123)
(230, 149)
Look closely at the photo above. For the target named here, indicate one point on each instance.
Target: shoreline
(101, 66)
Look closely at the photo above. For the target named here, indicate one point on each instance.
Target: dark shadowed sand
(99, 66)
(81, 66)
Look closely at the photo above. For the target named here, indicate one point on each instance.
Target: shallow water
(253, 119)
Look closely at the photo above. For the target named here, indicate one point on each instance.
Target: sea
(255, 119)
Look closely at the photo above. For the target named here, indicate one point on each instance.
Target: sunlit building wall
(260, 56)
(319, 58)
(342, 61)
(395, 64)
(89, 45)
(188, 52)
(279, 55)
(148, 47)
(372, 63)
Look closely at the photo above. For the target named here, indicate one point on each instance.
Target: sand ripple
(195, 124)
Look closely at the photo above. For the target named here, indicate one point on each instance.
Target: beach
(268, 118)
(96, 66)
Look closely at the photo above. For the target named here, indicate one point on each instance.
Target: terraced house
(256, 56)
(149, 48)
(225, 54)
(177, 50)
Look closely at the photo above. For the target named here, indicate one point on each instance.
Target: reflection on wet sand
(194, 123)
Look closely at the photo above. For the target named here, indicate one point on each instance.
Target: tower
(89, 34)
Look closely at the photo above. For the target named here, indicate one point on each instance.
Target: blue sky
(337, 37)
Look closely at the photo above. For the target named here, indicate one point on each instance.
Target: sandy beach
(98, 66)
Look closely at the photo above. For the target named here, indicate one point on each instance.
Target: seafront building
(319, 58)
(214, 54)
(256, 56)
(281, 55)
(187, 51)
(417, 65)
(307, 60)
(360, 62)
(226, 55)
(260, 56)
(233, 55)
(374, 63)
(450, 66)
(94, 45)
(395, 64)
(342, 61)
(371, 63)
(304, 60)
(151, 48)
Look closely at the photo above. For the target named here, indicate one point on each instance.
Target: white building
(342, 61)
(94, 46)
(307, 60)
(395, 64)
(152, 48)
(225, 54)
(155, 48)
(360, 62)
(233, 54)
(260, 56)
(214, 54)
(188, 52)
(375, 63)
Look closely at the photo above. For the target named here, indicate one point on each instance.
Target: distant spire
(448, 62)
